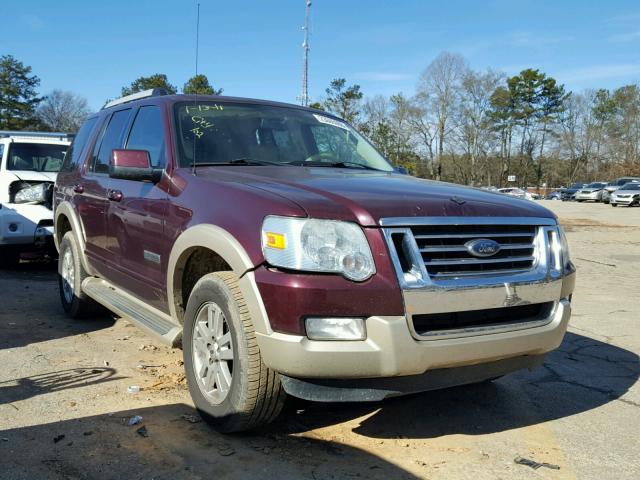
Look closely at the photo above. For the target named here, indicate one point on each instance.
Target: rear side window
(112, 138)
(147, 133)
(73, 158)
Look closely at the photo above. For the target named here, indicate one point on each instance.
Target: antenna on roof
(195, 99)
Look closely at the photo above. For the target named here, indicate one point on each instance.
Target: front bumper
(623, 201)
(25, 224)
(588, 196)
(391, 350)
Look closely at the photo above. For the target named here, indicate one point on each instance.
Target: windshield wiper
(340, 164)
(251, 161)
(238, 161)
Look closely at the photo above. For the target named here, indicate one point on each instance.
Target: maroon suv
(287, 256)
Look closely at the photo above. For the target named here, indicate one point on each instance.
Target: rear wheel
(71, 273)
(230, 385)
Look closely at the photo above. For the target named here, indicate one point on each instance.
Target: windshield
(624, 181)
(595, 185)
(37, 157)
(631, 186)
(221, 133)
(577, 185)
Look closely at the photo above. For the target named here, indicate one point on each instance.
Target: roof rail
(152, 92)
(59, 135)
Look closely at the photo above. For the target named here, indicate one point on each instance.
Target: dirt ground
(64, 401)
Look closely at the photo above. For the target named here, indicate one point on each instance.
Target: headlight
(32, 194)
(317, 246)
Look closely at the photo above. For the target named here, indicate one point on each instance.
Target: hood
(590, 190)
(627, 192)
(368, 196)
(31, 176)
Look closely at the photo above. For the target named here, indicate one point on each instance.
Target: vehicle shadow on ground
(25, 320)
(104, 446)
(22, 388)
(581, 375)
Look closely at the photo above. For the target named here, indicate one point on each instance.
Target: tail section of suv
(29, 163)
(286, 256)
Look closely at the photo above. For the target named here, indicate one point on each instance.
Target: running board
(122, 303)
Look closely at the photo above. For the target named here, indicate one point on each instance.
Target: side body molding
(226, 246)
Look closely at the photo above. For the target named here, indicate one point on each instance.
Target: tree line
(481, 127)
(461, 125)
(22, 107)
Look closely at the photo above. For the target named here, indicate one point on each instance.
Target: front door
(93, 203)
(136, 214)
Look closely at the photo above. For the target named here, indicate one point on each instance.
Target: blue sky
(253, 47)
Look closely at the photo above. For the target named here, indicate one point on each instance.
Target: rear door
(135, 221)
(92, 204)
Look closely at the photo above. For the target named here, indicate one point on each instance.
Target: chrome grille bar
(512, 246)
(475, 235)
(477, 261)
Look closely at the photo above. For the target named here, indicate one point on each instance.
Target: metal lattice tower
(304, 94)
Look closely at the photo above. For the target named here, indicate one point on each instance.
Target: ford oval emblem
(482, 247)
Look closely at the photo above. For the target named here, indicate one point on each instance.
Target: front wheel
(614, 204)
(230, 385)
(71, 273)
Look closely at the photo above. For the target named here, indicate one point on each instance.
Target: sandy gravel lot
(64, 404)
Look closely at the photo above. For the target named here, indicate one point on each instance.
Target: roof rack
(58, 135)
(152, 92)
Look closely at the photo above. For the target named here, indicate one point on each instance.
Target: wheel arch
(216, 250)
(66, 219)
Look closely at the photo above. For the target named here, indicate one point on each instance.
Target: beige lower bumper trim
(390, 350)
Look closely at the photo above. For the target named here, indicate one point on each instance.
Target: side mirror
(401, 170)
(133, 165)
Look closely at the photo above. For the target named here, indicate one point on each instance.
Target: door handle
(115, 195)
(78, 188)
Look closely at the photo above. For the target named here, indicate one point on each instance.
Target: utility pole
(304, 95)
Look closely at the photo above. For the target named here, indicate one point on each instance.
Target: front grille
(429, 324)
(444, 253)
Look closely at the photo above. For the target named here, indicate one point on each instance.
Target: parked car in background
(516, 192)
(555, 195)
(570, 192)
(628, 194)
(615, 185)
(591, 192)
(29, 163)
(287, 256)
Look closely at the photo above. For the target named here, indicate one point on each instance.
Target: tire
(71, 273)
(230, 385)
(614, 204)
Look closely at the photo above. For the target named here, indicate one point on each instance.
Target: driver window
(147, 133)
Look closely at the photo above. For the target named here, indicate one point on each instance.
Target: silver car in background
(615, 185)
(628, 194)
(591, 192)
